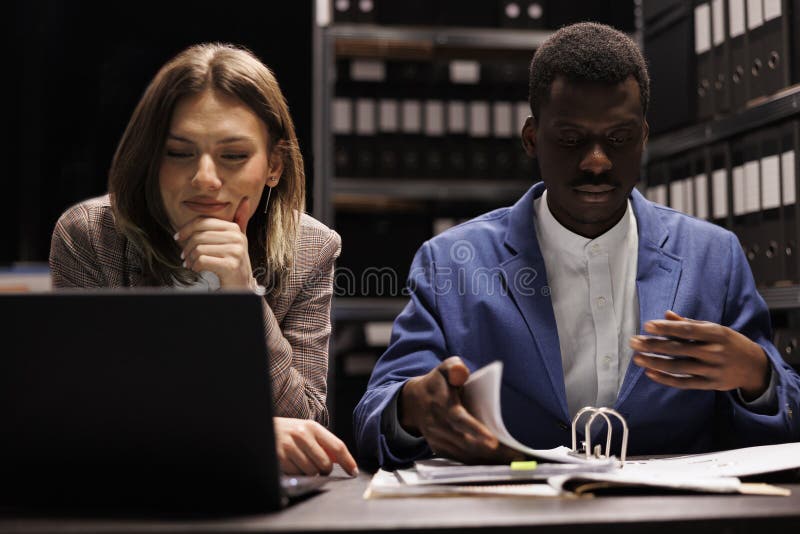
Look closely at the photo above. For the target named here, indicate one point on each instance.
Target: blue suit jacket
(480, 291)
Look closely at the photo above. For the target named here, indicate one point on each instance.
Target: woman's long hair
(133, 179)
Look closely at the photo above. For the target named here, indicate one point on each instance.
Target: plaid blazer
(87, 251)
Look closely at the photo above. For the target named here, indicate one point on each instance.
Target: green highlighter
(528, 465)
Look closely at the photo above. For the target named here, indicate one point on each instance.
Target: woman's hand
(307, 448)
(219, 246)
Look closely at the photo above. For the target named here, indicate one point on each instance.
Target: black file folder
(345, 11)
(776, 47)
(770, 237)
(792, 38)
(531, 14)
(469, 14)
(739, 68)
(745, 155)
(721, 57)
(756, 49)
(404, 12)
(680, 191)
(704, 62)
(790, 173)
(616, 13)
(657, 182)
(343, 138)
(701, 183)
(388, 139)
(668, 41)
(720, 185)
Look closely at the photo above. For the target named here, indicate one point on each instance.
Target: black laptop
(155, 400)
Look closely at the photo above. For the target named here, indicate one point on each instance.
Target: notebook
(147, 400)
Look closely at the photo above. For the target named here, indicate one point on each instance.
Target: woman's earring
(266, 204)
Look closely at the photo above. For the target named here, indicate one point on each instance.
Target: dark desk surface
(341, 508)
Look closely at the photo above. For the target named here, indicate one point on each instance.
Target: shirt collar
(555, 237)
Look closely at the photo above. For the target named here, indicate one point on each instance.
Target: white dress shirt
(593, 290)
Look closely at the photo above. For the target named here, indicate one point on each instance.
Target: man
(562, 287)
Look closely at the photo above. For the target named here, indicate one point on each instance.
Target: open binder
(583, 468)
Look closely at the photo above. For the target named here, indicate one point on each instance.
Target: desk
(340, 508)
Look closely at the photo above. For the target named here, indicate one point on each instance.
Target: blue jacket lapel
(526, 281)
(657, 275)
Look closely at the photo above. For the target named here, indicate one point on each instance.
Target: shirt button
(601, 301)
(595, 247)
(563, 426)
(607, 360)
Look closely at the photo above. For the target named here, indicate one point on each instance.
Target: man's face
(588, 139)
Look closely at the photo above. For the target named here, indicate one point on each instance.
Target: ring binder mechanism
(596, 453)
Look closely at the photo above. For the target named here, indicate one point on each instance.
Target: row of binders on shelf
(738, 51)
(747, 184)
(430, 119)
(525, 14)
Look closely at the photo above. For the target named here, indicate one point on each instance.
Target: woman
(206, 191)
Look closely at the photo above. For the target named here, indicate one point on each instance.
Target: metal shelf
(449, 37)
(367, 309)
(434, 189)
(780, 106)
(781, 298)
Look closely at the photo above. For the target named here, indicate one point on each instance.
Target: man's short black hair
(586, 52)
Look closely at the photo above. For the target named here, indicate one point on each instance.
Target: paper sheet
(482, 399)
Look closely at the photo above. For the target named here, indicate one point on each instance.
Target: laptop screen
(151, 400)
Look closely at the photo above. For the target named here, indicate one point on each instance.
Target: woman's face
(215, 158)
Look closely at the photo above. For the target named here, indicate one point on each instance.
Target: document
(482, 399)
(567, 473)
(388, 484)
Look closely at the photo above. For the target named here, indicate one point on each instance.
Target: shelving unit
(760, 113)
(334, 196)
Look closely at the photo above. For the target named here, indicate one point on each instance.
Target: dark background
(74, 71)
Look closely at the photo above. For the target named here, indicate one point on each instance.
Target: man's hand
(307, 448)
(219, 246)
(430, 405)
(714, 356)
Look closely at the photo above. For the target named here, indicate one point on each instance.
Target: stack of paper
(568, 473)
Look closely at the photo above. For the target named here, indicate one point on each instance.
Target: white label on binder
(772, 9)
(658, 194)
(341, 116)
(501, 118)
(770, 182)
(736, 17)
(378, 334)
(365, 116)
(738, 190)
(464, 71)
(434, 118)
(787, 172)
(719, 193)
(456, 117)
(387, 115)
(718, 22)
(367, 70)
(411, 111)
(688, 196)
(702, 24)
(523, 111)
(323, 12)
(676, 196)
(755, 14)
(752, 191)
(701, 196)
(479, 119)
